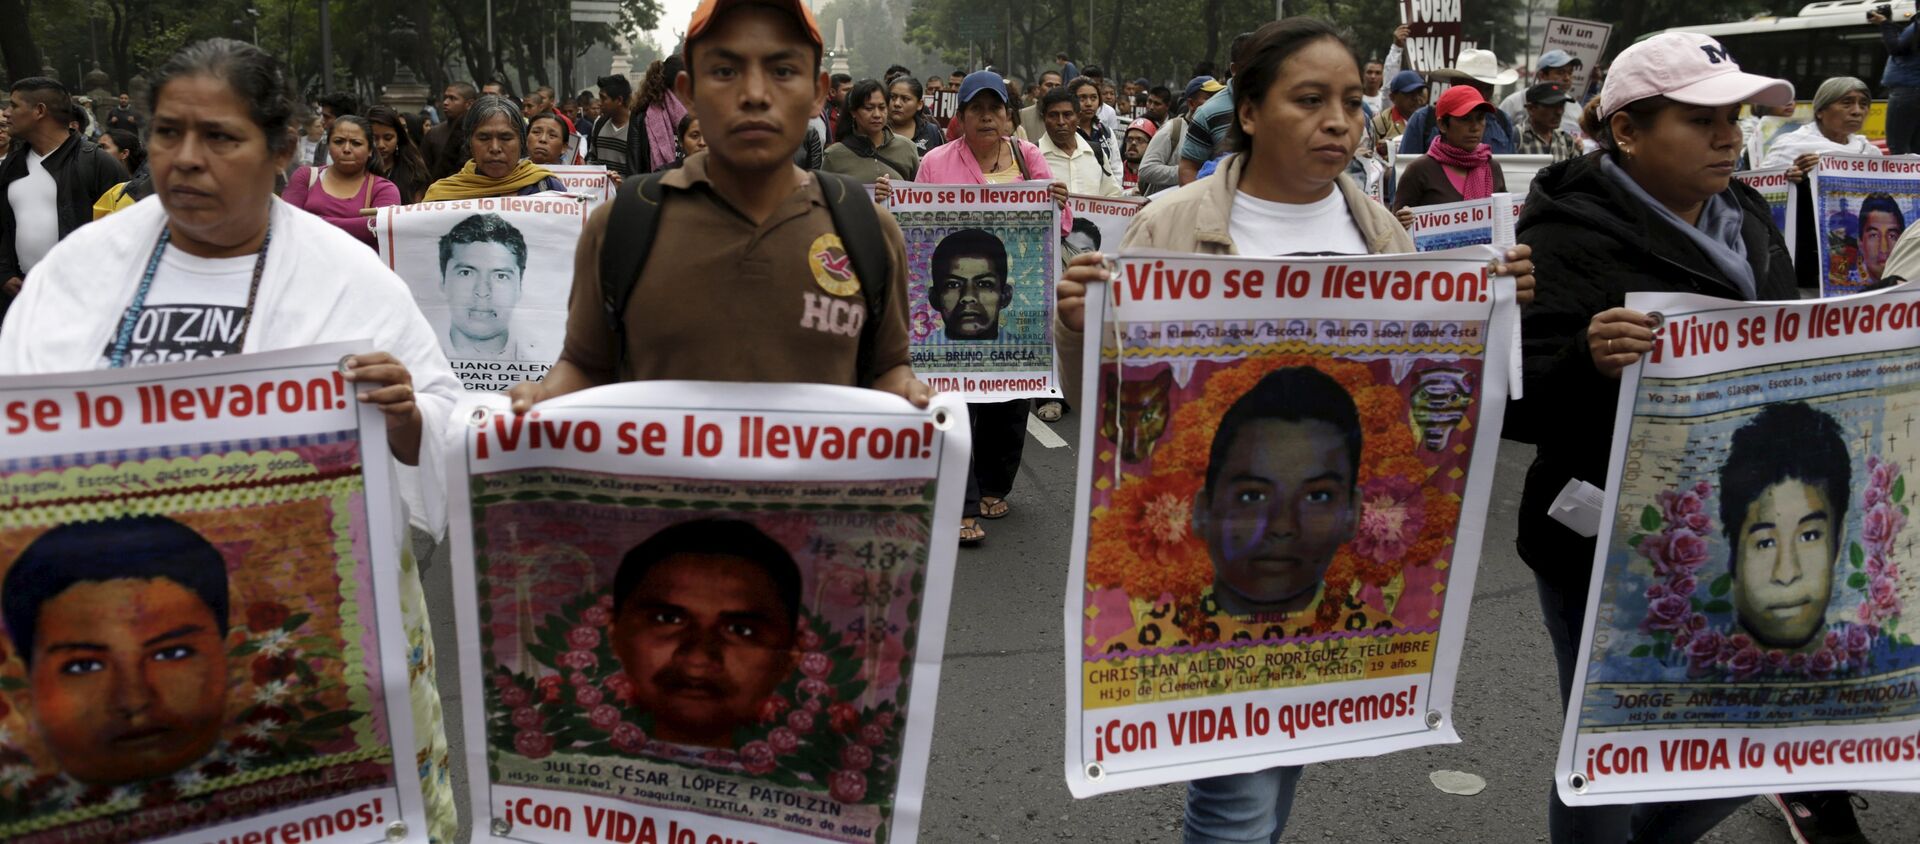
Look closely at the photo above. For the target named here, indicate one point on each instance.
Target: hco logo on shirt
(170, 333)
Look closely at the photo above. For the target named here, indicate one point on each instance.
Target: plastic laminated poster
(1281, 501)
(1455, 224)
(200, 584)
(492, 276)
(982, 261)
(1862, 204)
(704, 612)
(1746, 631)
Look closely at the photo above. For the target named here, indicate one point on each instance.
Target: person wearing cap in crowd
(1209, 124)
(1458, 166)
(1481, 70)
(1554, 66)
(1407, 93)
(1540, 133)
(1132, 150)
(1656, 210)
(1160, 167)
(1390, 69)
(986, 153)
(745, 245)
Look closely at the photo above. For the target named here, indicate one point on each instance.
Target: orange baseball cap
(703, 16)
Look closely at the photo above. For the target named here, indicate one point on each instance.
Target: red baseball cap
(1460, 100)
(703, 16)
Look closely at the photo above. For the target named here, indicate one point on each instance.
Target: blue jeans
(1564, 608)
(1241, 808)
(1903, 120)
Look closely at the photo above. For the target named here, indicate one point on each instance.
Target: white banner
(218, 542)
(1861, 206)
(697, 609)
(980, 277)
(1745, 630)
(492, 277)
(1189, 656)
(1583, 40)
(1099, 224)
(1781, 195)
(593, 181)
(1455, 224)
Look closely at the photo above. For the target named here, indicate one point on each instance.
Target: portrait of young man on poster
(483, 263)
(1281, 493)
(705, 624)
(1783, 507)
(123, 626)
(969, 284)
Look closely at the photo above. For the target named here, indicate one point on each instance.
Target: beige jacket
(1193, 218)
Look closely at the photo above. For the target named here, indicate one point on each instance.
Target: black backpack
(635, 219)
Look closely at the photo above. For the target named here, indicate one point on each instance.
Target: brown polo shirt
(724, 299)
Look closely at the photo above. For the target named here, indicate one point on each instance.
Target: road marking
(1044, 434)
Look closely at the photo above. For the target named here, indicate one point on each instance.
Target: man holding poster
(1292, 463)
(772, 248)
(650, 670)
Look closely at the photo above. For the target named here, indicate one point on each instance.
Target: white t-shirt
(1265, 229)
(36, 212)
(193, 310)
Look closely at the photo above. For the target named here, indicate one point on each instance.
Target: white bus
(1827, 39)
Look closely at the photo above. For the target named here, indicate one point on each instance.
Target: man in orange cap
(746, 276)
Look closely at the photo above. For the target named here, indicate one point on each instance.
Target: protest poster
(1099, 223)
(199, 578)
(1745, 629)
(981, 267)
(1581, 39)
(1455, 224)
(1861, 204)
(1197, 643)
(1774, 187)
(704, 612)
(1434, 31)
(940, 105)
(492, 277)
(593, 181)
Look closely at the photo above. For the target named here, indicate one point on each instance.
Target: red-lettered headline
(158, 404)
(1693, 336)
(750, 437)
(1156, 282)
(1875, 165)
(1697, 755)
(601, 824)
(319, 827)
(1206, 725)
(951, 194)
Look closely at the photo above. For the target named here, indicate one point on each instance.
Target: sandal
(971, 533)
(993, 508)
(1050, 411)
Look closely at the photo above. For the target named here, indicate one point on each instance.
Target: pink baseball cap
(1686, 67)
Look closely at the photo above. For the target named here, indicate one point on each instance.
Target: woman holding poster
(1286, 193)
(220, 266)
(1656, 210)
(983, 155)
(497, 142)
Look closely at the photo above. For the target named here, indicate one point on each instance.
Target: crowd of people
(226, 195)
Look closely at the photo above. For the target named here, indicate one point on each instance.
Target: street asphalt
(997, 772)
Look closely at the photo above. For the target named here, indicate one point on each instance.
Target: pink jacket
(345, 213)
(952, 163)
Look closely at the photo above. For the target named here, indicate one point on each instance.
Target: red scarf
(1478, 182)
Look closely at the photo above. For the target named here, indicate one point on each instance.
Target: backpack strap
(1020, 158)
(631, 224)
(857, 221)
